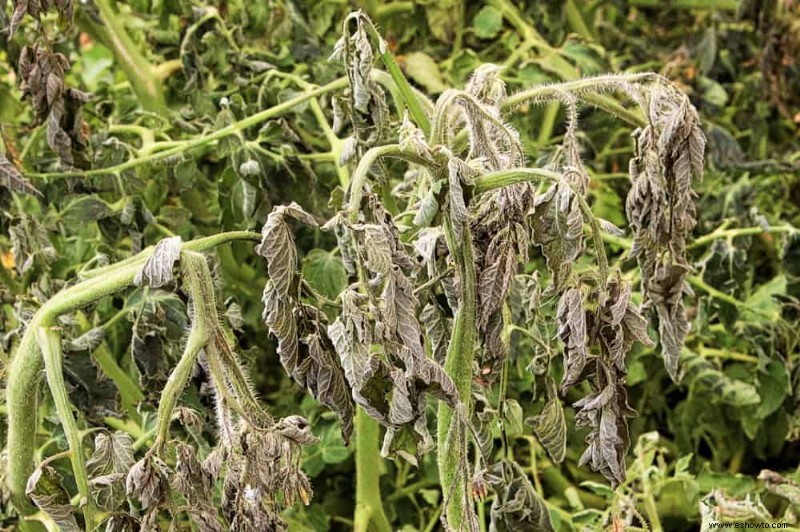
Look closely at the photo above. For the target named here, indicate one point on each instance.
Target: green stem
(586, 89)
(414, 107)
(26, 364)
(742, 231)
(722, 5)
(458, 365)
(576, 22)
(128, 389)
(144, 78)
(369, 507)
(196, 279)
(359, 177)
(49, 339)
(196, 142)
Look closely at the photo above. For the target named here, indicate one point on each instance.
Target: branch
(24, 371)
(180, 147)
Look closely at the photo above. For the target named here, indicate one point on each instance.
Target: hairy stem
(24, 371)
(195, 272)
(145, 79)
(359, 177)
(369, 507)
(49, 338)
(458, 365)
(587, 89)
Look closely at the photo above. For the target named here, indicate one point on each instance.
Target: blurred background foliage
(701, 445)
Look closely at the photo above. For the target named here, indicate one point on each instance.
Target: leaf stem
(741, 231)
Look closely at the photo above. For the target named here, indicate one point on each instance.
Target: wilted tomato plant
(436, 216)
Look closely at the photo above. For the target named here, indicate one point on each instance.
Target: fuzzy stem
(359, 177)
(203, 140)
(587, 90)
(195, 270)
(458, 366)
(48, 337)
(26, 364)
(369, 507)
(144, 78)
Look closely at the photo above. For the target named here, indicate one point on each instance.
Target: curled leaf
(157, 271)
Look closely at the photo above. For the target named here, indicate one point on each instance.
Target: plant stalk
(452, 446)
(369, 514)
(145, 79)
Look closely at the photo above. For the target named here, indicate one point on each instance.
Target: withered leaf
(45, 489)
(88, 341)
(550, 426)
(572, 331)
(196, 486)
(517, 505)
(495, 279)
(12, 179)
(147, 481)
(459, 214)
(606, 412)
(325, 379)
(437, 330)
(108, 467)
(558, 230)
(157, 271)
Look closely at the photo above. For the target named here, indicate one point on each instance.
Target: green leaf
(487, 23)
(513, 418)
(85, 209)
(335, 454)
(325, 273)
(761, 305)
(423, 69)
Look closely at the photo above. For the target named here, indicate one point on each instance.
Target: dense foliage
(433, 264)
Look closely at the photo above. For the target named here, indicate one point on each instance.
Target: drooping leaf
(147, 482)
(781, 486)
(550, 426)
(572, 332)
(558, 230)
(12, 179)
(606, 412)
(325, 379)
